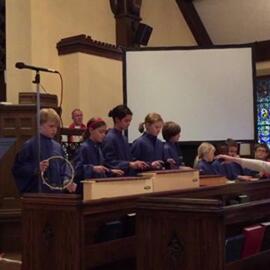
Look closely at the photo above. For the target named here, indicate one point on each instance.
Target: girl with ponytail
(148, 147)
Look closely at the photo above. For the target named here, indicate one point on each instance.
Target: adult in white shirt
(252, 164)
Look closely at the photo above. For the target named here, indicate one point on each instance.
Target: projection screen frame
(228, 46)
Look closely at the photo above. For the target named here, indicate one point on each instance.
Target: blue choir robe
(25, 168)
(233, 170)
(170, 151)
(87, 156)
(211, 168)
(147, 148)
(116, 151)
(250, 172)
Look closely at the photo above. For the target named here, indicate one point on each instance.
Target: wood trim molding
(85, 44)
(194, 22)
(262, 50)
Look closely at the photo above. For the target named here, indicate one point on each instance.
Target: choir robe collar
(48, 147)
(150, 137)
(147, 148)
(93, 144)
(44, 137)
(117, 131)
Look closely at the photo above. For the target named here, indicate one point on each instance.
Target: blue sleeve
(166, 152)
(230, 174)
(111, 156)
(250, 172)
(136, 150)
(159, 151)
(219, 168)
(83, 169)
(202, 168)
(25, 170)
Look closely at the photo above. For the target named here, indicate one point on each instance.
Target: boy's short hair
(170, 129)
(261, 145)
(231, 143)
(48, 114)
(222, 149)
(75, 110)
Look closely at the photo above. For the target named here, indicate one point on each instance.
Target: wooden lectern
(18, 123)
(46, 100)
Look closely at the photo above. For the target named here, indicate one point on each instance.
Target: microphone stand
(37, 82)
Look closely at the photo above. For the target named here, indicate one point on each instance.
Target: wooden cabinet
(189, 233)
(61, 231)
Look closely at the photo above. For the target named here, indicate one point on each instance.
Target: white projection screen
(209, 92)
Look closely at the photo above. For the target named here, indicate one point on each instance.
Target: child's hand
(171, 163)
(72, 187)
(138, 165)
(43, 165)
(157, 164)
(117, 172)
(100, 169)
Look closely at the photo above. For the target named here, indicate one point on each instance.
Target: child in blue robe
(115, 148)
(171, 134)
(148, 147)
(234, 170)
(26, 168)
(89, 161)
(206, 163)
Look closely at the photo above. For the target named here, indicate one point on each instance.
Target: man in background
(77, 118)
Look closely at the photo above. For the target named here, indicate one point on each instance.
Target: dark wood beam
(127, 19)
(262, 50)
(194, 22)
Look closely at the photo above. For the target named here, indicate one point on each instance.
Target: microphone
(21, 65)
